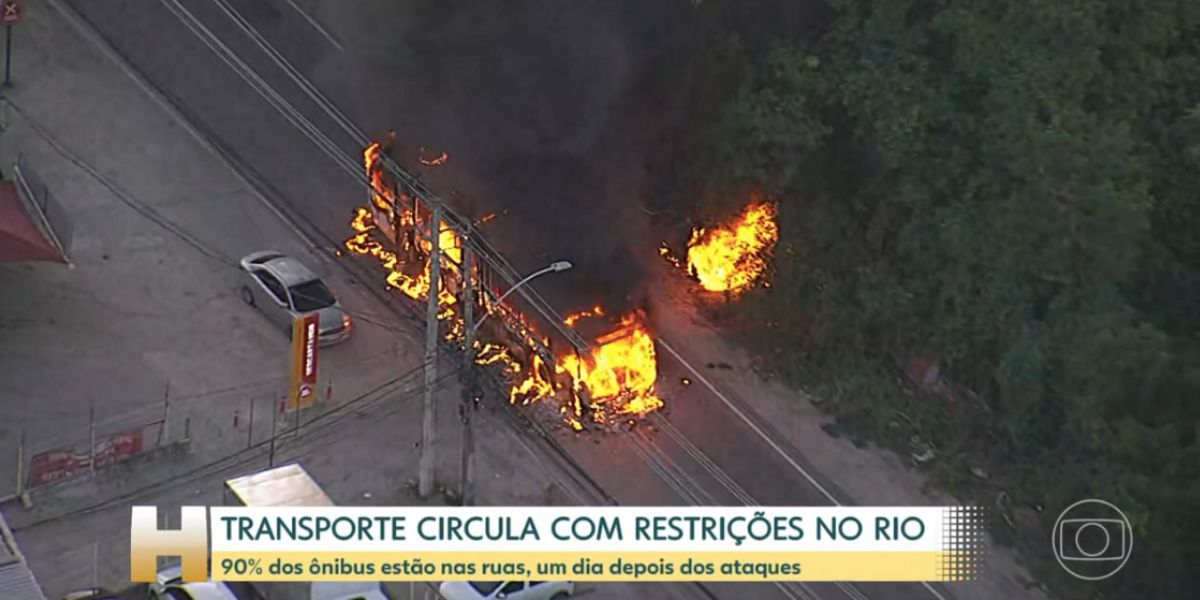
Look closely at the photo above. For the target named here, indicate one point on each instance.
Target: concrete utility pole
(470, 368)
(428, 433)
(468, 392)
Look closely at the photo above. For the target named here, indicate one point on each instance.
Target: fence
(99, 444)
(210, 424)
(220, 432)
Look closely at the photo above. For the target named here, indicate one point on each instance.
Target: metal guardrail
(55, 219)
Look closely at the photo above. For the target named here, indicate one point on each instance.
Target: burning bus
(607, 372)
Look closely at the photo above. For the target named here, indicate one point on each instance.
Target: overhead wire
(487, 253)
(149, 213)
(141, 208)
(251, 452)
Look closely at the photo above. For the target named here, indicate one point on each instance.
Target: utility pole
(468, 390)
(7, 54)
(425, 469)
(11, 12)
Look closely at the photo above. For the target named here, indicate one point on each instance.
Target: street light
(555, 267)
(468, 437)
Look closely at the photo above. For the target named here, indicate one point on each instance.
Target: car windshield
(485, 587)
(311, 295)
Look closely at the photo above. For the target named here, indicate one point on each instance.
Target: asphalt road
(305, 160)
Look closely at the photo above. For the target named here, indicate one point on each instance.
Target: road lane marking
(754, 426)
(762, 434)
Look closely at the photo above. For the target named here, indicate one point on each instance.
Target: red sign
(118, 448)
(64, 464)
(304, 359)
(12, 11)
(55, 465)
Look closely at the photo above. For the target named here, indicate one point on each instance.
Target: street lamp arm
(469, 364)
(522, 282)
(555, 267)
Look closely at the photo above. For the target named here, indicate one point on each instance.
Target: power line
(249, 454)
(149, 212)
(125, 197)
(464, 227)
(315, 424)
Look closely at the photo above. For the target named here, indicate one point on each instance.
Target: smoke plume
(539, 103)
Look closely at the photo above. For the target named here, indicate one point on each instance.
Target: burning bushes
(731, 257)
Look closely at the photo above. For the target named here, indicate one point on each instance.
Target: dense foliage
(1009, 191)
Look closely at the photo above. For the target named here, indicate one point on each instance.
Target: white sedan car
(507, 590)
(284, 289)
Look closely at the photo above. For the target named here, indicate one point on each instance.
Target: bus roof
(289, 485)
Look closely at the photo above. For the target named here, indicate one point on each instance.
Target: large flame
(414, 283)
(621, 371)
(617, 377)
(415, 286)
(731, 258)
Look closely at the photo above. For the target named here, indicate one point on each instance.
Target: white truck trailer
(291, 485)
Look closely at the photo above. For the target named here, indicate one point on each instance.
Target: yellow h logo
(147, 542)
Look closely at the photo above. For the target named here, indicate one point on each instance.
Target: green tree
(1011, 189)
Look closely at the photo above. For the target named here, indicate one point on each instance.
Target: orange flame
(666, 253)
(413, 285)
(620, 373)
(492, 353)
(731, 257)
(535, 386)
(381, 194)
(438, 160)
(571, 319)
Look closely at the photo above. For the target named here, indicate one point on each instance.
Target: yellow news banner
(583, 566)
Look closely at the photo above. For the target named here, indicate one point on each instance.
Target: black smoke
(543, 107)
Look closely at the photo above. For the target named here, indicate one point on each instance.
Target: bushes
(1013, 191)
